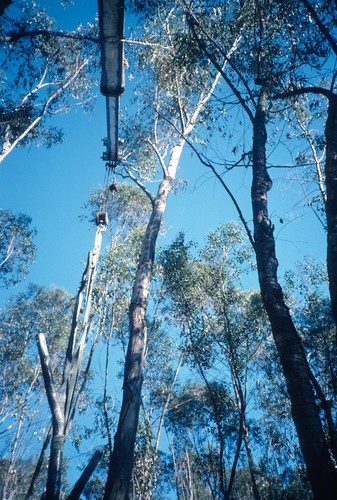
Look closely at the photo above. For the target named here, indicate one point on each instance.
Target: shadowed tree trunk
(86, 475)
(3, 5)
(121, 462)
(305, 412)
(331, 200)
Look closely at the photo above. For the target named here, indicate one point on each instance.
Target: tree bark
(331, 200)
(305, 412)
(53, 487)
(121, 461)
(86, 475)
(38, 467)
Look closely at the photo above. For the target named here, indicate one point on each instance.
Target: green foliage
(17, 249)
(41, 75)
(20, 479)
(128, 211)
(312, 311)
(24, 419)
(26, 315)
(178, 275)
(231, 372)
(127, 208)
(144, 473)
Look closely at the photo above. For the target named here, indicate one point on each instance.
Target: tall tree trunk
(53, 487)
(331, 200)
(121, 461)
(241, 402)
(305, 412)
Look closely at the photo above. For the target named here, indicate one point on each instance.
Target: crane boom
(112, 141)
(111, 27)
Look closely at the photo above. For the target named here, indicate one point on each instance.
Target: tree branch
(43, 112)
(304, 90)
(52, 395)
(139, 184)
(194, 21)
(325, 32)
(160, 158)
(13, 37)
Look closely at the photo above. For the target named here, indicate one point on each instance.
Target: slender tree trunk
(331, 200)
(241, 403)
(39, 464)
(11, 142)
(251, 463)
(305, 412)
(167, 402)
(121, 462)
(86, 475)
(53, 487)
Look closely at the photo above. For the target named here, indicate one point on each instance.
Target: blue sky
(52, 185)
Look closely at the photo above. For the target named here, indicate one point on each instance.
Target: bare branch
(302, 91)
(167, 402)
(43, 112)
(317, 160)
(208, 164)
(160, 158)
(131, 176)
(13, 37)
(9, 253)
(202, 45)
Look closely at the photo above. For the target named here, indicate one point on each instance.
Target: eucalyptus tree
(216, 321)
(63, 395)
(17, 248)
(316, 325)
(23, 418)
(99, 313)
(44, 72)
(169, 110)
(265, 59)
(228, 342)
(163, 363)
(128, 211)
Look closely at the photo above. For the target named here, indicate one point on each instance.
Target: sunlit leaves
(17, 248)
(38, 310)
(127, 206)
(42, 73)
(23, 422)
